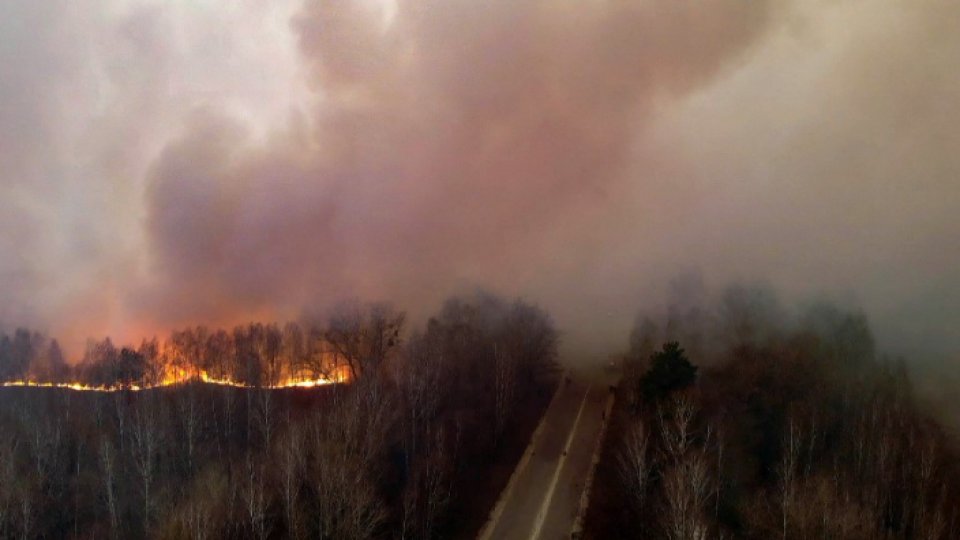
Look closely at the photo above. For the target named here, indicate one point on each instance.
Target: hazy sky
(196, 161)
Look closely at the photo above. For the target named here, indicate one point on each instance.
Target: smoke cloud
(183, 162)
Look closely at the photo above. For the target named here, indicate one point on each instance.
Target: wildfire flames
(173, 377)
(255, 355)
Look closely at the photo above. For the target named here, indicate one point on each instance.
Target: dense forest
(740, 418)
(401, 451)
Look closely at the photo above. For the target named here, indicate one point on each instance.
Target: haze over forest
(164, 164)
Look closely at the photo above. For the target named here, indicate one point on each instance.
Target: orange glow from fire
(176, 376)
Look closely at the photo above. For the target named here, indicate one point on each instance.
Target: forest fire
(339, 377)
(250, 356)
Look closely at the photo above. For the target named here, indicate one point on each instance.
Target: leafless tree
(347, 446)
(385, 325)
(153, 366)
(345, 335)
(418, 377)
(109, 476)
(676, 426)
(255, 499)
(77, 491)
(216, 496)
(200, 503)
(269, 347)
(430, 487)
(349, 505)
(688, 482)
(219, 355)
(363, 336)
(45, 442)
(687, 489)
(505, 386)
(228, 412)
(265, 411)
(194, 521)
(788, 471)
(532, 342)
(635, 464)
(27, 511)
(292, 469)
(191, 420)
(120, 417)
(715, 433)
(145, 437)
(8, 453)
(319, 357)
(295, 349)
(180, 350)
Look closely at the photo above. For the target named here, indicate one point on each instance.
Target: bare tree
(191, 423)
(385, 325)
(429, 489)
(109, 476)
(292, 468)
(635, 464)
(363, 336)
(349, 505)
(45, 444)
(687, 489)
(255, 499)
(27, 511)
(532, 340)
(345, 335)
(145, 437)
(418, 376)
(687, 479)
(676, 426)
(8, 453)
(788, 471)
(220, 355)
(319, 357)
(228, 410)
(294, 350)
(78, 452)
(194, 520)
(120, 417)
(265, 414)
(505, 386)
(153, 366)
(269, 347)
(348, 443)
(719, 484)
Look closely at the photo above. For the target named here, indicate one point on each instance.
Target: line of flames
(202, 376)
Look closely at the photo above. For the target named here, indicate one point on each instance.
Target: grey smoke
(170, 164)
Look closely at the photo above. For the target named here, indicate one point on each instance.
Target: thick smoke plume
(178, 163)
(445, 141)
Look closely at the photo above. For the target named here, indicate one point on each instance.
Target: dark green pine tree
(670, 370)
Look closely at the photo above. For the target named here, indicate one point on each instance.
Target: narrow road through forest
(543, 499)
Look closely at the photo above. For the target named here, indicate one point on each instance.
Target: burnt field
(391, 453)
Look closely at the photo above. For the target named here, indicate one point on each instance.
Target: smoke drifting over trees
(159, 171)
(794, 428)
(196, 165)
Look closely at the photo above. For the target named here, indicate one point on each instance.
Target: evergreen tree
(670, 370)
